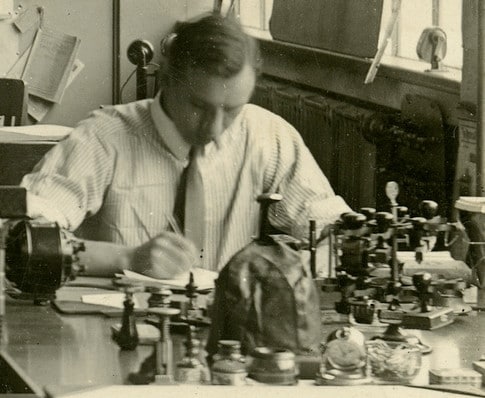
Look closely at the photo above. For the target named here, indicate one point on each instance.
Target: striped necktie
(189, 204)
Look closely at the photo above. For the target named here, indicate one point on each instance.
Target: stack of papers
(38, 132)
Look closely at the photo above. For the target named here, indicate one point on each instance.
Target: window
(414, 17)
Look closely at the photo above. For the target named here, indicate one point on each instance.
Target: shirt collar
(168, 132)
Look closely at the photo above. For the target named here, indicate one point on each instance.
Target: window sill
(393, 68)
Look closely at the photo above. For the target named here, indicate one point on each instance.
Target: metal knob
(265, 200)
(428, 209)
(383, 221)
(368, 212)
(353, 220)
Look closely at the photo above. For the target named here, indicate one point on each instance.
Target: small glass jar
(229, 366)
(393, 362)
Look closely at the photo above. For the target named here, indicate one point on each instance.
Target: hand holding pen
(165, 255)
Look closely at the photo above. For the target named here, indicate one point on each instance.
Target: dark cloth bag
(265, 296)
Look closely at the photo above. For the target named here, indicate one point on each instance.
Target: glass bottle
(229, 366)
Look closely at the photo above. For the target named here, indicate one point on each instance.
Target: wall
(150, 20)
(92, 22)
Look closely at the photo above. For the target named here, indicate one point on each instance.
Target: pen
(174, 225)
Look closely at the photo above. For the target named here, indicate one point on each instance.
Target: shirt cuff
(38, 207)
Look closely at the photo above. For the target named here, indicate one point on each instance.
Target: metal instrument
(40, 258)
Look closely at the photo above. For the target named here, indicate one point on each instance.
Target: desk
(50, 349)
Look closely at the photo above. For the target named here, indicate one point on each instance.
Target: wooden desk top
(68, 350)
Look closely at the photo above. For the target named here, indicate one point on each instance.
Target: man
(124, 164)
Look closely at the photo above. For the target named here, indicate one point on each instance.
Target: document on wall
(50, 64)
(38, 107)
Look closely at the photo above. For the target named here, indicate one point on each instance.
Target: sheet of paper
(77, 67)
(38, 107)
(49, 132)
(109, 299)
(28, 19)
(203, 279)
(50, 64)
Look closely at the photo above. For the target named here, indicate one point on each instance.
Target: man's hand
(164, 256)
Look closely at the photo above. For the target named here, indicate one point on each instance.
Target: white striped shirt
(117, 167)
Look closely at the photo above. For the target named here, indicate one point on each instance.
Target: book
(475, 204)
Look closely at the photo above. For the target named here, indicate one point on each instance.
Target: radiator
(409, 153)
(332, 130)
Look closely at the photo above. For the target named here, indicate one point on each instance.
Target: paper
(38, 132)
(50, 64)
(28, 19)
(203, 278)
(77, 67)
(38, 107)
(109, 300)
(28, 23)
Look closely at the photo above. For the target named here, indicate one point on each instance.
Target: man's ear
(164, 77)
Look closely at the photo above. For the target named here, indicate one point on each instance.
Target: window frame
(392, 59)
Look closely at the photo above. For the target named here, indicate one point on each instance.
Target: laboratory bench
(72, 355)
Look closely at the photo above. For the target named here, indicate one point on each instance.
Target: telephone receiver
(140, 52)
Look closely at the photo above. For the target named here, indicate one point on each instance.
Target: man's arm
(105, 258)
(307, 194)
(162, 257)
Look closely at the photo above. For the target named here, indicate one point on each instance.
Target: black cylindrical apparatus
(36, 260)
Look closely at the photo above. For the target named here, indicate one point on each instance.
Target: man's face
(202, 106)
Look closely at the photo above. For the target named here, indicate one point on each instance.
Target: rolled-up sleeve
(74, 174)
(307, 193)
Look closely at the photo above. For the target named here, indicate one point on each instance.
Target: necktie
(189, 203)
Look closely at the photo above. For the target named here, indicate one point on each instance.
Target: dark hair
(215, 44)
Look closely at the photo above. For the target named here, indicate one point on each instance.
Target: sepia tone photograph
(213, 198)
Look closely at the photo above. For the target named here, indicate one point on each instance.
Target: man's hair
(215, 44)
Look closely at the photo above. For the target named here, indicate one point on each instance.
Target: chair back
(13, 102)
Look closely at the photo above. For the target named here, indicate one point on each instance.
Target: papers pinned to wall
(44, 58)
(50, 64)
